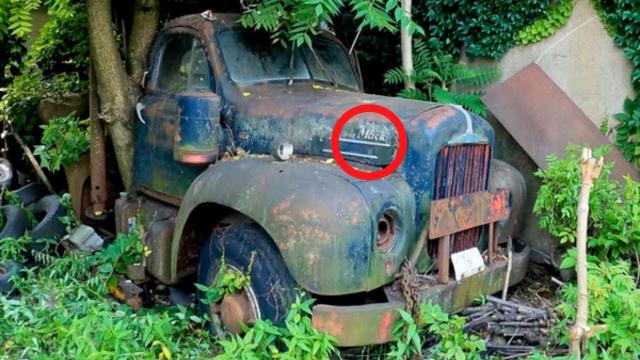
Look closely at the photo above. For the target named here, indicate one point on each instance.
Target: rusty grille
(461, 169)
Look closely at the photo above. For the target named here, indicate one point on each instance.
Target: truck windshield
(251, 57)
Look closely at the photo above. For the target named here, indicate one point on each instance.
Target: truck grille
(461, 169)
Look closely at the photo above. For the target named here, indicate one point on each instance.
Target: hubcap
(235, 309)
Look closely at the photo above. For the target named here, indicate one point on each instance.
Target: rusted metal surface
(198, 135)
(373, 323)
(358, 325)
(237, 309)
(458, 213)
(462, 169)
(505, 176)
(326, 234)
(98, 151)
(544, 120)
(323, 221)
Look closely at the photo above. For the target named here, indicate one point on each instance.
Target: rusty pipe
(98, 151)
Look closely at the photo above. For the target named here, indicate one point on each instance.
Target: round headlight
(387, 230)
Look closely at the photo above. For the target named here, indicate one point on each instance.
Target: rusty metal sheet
(544, 120)
(458, 213)
(358, 325)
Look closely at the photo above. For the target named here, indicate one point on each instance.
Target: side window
(184, 66)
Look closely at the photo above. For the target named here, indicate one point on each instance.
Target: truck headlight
(387, 230)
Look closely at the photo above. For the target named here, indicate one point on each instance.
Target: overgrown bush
(614, 300)
(64, 312)
(443, 334)
(614, 216)
(54, 66)
(613, 234)
(296, 340)
(64, 141)
(20, 100)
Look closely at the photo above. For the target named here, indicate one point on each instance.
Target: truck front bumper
(373, 323)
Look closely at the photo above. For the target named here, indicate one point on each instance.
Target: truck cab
(233, 165)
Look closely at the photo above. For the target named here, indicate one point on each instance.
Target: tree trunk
(116, 90)
(143, 31)
(406, 47)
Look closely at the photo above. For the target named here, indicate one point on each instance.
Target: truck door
(180, 68)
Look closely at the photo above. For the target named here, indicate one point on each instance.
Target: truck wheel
(31, 193)
(272, 288)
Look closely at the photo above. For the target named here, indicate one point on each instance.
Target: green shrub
(64, 312)
(614, 216)
(614, 300)
(20, 100)
(554, 18)
(443, 332)
(296, 340)
(64, 141)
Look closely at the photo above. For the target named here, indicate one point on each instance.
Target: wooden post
(444, 251)
(580, 333)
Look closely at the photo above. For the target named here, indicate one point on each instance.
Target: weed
(296, 340)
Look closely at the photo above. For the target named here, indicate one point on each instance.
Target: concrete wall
(582, 60)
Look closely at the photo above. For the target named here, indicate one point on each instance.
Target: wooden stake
(580, 333)
(444, 251)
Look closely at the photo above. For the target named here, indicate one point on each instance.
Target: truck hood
(305, 113)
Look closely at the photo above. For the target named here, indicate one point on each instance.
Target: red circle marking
(386, 113)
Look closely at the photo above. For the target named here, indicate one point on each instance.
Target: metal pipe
(98, 151)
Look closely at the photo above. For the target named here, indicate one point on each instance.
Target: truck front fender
(319, 219)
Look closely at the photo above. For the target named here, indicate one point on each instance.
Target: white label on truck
(466, 263)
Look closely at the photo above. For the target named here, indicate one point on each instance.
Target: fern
(372, 14)
(439, 77)
(415, 94)
(470, 102)
(464, 76)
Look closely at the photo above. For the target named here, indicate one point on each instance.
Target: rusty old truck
(233, 160)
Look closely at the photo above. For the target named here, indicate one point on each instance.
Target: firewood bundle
(510, 329)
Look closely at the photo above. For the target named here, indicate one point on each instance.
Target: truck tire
(49, 210)
(8, 271)
(272, 288)
(15, 222)
(31, 193)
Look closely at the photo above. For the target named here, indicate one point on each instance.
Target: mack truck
(233, 163)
